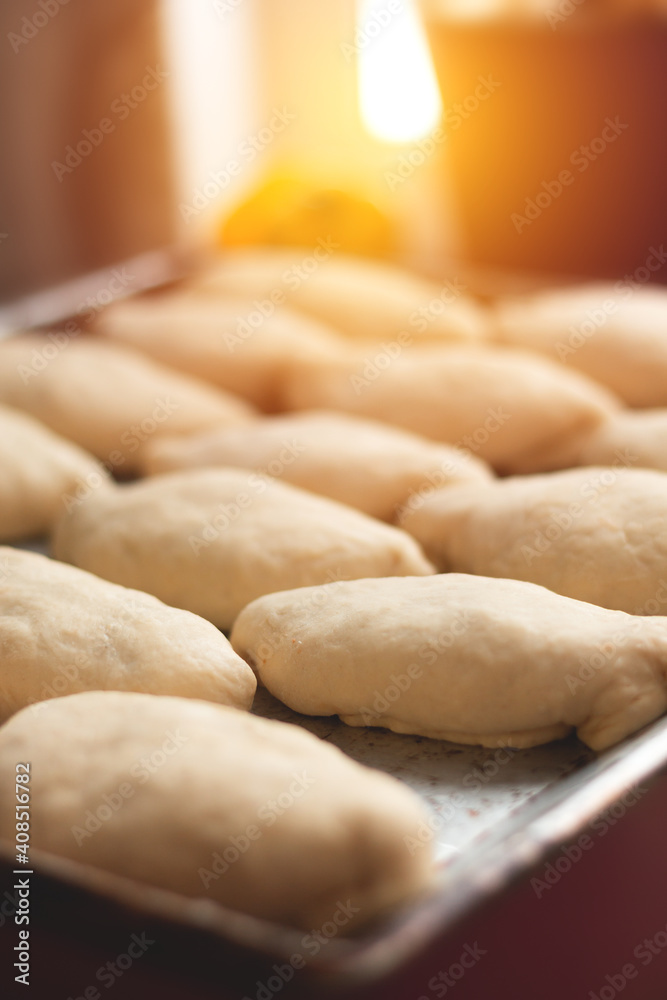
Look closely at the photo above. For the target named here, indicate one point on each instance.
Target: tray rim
(560, 813)
(555, 815)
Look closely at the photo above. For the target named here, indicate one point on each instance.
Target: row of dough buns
(492, 611)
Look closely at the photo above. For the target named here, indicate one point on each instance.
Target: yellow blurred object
(290, 212)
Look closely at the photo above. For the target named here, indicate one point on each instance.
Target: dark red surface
(555, 91)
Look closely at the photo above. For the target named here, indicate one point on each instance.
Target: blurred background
(510, 143)
(522, 138)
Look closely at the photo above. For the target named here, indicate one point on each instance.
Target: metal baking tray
(496, 817)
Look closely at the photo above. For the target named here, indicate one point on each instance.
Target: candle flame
(398, 92)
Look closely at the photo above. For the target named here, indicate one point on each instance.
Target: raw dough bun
(517, 411)
(365, 464)
(362, 299)
(225, 341)
(40, 473)
(462, 658)
(108, 399)
(617, 337)
(63, 631)
(213, 779)
(636, 438)
(212, 540)
(595, 534)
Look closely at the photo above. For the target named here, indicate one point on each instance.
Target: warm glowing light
(398, 91)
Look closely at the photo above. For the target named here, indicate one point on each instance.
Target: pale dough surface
(617, 337)
(363, 463)
(463, 658)
(320, 830)
(227, 341)
(595, 534)
(637, 438)
(362, 299)
(64, 631)
(212, 540)
(107, 398)
(515, 410)
(39, 471)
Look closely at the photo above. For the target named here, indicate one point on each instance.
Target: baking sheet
(469, 790)
(495, 814)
